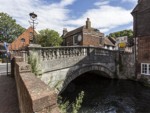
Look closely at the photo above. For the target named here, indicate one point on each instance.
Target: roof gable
(142, 6)
(75, 31)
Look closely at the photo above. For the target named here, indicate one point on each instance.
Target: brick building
(83, 36)
(141, 15)
(23, 40)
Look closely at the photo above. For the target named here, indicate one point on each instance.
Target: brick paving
(8, 95)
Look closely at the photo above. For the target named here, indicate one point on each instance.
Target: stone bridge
(61, 65)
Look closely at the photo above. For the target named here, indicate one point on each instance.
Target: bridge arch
(104, 71)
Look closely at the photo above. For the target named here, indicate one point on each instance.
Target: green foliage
(9, 29)
(64, 106)
(128, 33)
(32, 60)
(48, 38)
(77, 105)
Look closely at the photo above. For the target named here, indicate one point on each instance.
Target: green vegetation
(64, 106)
(9, 29)
(48, 38)
(32, 60)
(128, 33)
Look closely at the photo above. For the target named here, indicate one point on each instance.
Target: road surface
(3, 68)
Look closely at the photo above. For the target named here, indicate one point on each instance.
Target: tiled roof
(108, 42)
(74, 31)
(78, 30)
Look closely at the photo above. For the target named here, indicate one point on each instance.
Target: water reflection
(104, 95)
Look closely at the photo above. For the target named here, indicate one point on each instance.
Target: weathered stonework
(127, 66)
(34, 95)
(141, 16)
(62, 65)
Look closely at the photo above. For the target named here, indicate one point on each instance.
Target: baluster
(74, 51)
(44, 55)
(84, 51)
(63, 53)
(47, 54)
(67, 52)
(55, 54)
(60, 53)
(52, 53)
(77, 51)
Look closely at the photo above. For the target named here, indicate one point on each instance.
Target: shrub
(35, 68)
(64, 106)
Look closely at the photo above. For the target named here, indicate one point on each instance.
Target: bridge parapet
(59, 63)
(50, 53)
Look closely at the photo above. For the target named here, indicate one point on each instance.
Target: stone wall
(63, 64)
(58, 63)
(33, 94)
(126, 66)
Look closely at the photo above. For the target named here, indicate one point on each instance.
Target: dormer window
(22, 40)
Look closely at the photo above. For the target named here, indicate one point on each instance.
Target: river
(103, 95)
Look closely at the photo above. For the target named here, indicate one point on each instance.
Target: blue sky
(106, 15)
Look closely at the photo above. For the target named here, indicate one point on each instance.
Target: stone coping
(33, 93)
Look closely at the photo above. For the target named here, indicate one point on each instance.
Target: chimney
(88, 23)
(65, 31)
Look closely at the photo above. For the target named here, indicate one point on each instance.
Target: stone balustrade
(50, 53)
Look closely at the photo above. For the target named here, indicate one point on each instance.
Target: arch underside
(97, 69)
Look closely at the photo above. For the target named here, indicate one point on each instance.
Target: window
(31, 34)
(145, 68)
(22, 40)
(75, 40)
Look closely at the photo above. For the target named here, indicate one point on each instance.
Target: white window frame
(145, 68)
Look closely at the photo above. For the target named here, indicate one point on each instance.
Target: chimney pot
(88, 23)
(64, 31)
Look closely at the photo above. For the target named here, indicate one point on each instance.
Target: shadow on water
(103, 95)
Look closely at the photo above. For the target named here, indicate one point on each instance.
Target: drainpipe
(135, 35)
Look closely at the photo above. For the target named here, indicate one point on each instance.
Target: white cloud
(49, 15)
(66, 2)
(105, 17)
(56, 15)
(101, 3)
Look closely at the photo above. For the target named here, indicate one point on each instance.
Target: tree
(128, 33)
(49, 37)
(9, 29)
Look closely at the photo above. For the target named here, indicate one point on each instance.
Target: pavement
(8, 95)
(3, 68)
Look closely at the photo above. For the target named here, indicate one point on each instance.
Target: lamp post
(33, 17)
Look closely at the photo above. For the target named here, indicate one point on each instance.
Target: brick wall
(144, 49)
(17, 44)
(143, 24)
(91, 37)
(69, 40)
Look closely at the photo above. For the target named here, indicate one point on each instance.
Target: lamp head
(33, 16)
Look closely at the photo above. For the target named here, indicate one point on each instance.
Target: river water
(102, 95)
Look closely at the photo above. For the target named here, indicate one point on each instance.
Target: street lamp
(33, 17)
